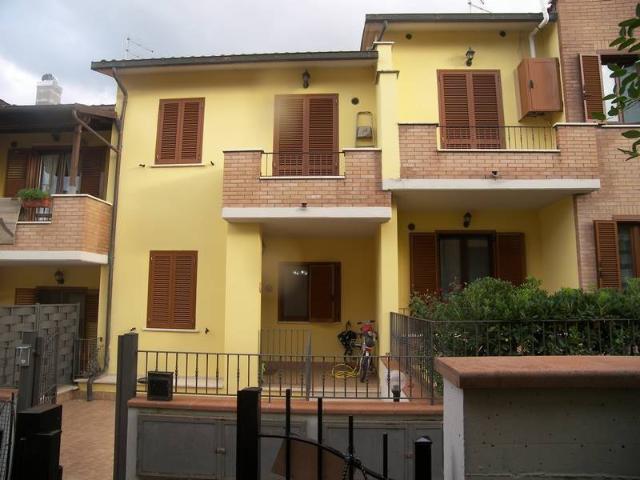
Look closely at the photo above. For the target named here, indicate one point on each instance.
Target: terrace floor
(87, 439)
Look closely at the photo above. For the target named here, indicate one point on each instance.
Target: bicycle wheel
(365, 363)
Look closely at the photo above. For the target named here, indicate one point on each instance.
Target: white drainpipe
(545, 19)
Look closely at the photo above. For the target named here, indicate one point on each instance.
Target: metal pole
(287, 432)
(350, 449)
(422, 458)
(26, 363)
(319, 458)
(248, 437)
(126, 382)
(385, 455)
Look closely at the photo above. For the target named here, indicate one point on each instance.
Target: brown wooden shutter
(172, 289)
(487, 109)
(184, 291)
(323, 135)
(470, 109)
(590, 70)
(180, 124)
(92, 170)
(26, 296)
(607, 254)
(306, 135)
(424, 265)
(91, 314)
(324, 292)
(16, 175)
(510, 257)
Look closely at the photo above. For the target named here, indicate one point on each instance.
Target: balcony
(516, 167)
(266, 187)
(76, 229)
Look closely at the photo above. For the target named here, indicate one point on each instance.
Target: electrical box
(539, 86)
(160, 386)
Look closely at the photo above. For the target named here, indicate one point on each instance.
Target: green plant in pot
(34, 198)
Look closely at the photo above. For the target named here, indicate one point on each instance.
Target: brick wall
(419, 157)
(79, 222)
(585, 27)
(619, 195)
(361, 185)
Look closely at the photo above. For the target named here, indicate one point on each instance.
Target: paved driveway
(87, 439)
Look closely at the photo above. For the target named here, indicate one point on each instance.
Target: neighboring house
(304, 190)
(57, 254)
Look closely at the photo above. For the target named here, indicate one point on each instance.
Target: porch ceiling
(485, 194)
(319, 228)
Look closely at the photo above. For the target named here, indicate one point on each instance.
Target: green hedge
(493, 299)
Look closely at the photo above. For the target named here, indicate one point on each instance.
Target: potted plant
(34, 198)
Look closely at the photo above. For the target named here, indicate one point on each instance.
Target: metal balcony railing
(472, 137)
(315, 163)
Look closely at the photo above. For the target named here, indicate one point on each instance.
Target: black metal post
(350, 449)
(319, 458)
(422, 458)
(248, 436)
(287, 432)
(385, 455)
(126, 382)
(28, 380)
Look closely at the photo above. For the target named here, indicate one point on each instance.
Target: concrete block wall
(360, 187)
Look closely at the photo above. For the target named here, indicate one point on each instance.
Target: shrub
(32, 194)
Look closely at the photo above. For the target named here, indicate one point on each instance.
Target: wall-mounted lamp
(470, 54)
(466, 220)
(306, 76)
(59, 276)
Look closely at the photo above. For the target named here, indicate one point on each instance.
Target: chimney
(48, 92)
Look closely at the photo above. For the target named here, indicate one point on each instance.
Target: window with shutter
(172, 289)
(25, 296)
(470, 109)
(424, 263)
(607, 254)
(309, 292)
(92, 170)
(590, 70)
(180, 124)
(510, 257)
(306, 135)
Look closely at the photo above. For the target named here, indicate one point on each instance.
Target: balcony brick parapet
(575, 157)
(78, 223)
(360, 186)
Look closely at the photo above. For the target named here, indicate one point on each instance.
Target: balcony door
(54, 171)
(470, 109)
(306, 135)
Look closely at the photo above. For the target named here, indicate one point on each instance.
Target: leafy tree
(627, 90)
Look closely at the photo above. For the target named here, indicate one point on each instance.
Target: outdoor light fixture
(466, 220)
(305, 79)
(470, 54)
(59, 276)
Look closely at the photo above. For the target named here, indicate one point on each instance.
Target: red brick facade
(576, 158)
(360, 187)
(587, 27)
(78, 223)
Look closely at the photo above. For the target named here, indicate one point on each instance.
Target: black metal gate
(304, 458)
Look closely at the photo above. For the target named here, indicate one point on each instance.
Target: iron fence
(7, 424)
(35, 214)
(87, 357)
(308, 376)
(305, 164)
(411, 336)
(500, 137)
(280, 341)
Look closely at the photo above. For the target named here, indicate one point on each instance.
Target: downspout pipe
(532, 36)
(114, 215)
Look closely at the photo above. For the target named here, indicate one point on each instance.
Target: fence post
(28, 385)
(125, 389)
(248, 434)
(308, 371)
(422, 458)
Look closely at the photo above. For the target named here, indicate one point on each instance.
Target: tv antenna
(478, 5)
(129, 54)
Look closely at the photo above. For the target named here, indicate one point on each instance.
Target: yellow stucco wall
(12, 277)
(419, 59)
(357, 258)
(178, 208)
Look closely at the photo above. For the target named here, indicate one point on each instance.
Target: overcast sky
(63, 36)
